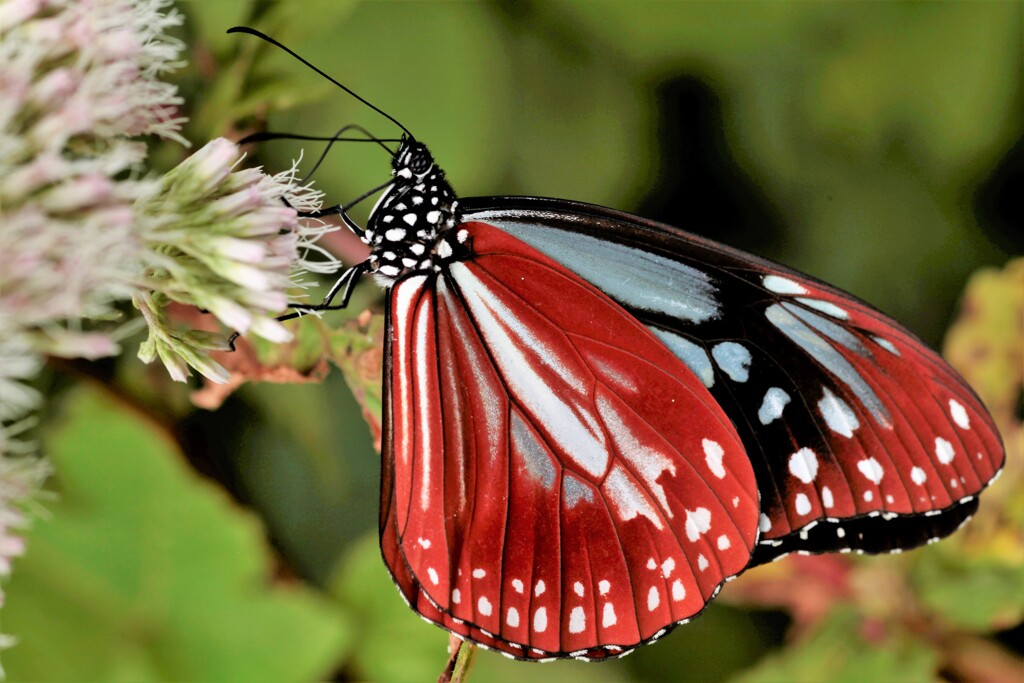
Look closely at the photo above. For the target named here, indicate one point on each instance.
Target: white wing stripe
(571, 426)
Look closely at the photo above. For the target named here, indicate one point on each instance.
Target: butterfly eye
(420, 160)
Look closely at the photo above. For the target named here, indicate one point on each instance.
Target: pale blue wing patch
(634, 277)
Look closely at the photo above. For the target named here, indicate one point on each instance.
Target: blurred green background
(874, 145)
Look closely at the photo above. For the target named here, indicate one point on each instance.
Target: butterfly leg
(340, 210)
(345, 284)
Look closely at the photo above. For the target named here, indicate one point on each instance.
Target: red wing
(557, 483)
(860, 436)
(899, 436)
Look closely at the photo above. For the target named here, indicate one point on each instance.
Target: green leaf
(393, 644)
(975, 595)
(143, 571)
(838, 652)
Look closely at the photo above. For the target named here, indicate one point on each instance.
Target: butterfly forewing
(861, 437)
(558, 483)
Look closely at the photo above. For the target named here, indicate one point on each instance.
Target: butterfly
(593, 421)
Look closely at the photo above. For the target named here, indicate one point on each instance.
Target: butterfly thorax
(413, 226)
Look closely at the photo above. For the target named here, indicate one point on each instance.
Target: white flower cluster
(84, 229)
(20, 481)
(224, 242)
(77, 79)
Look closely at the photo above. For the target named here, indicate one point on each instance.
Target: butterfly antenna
(265, 136)
(341, 131)
(261, 137)
(263, 36)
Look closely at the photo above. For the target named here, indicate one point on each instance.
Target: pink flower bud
(55, 86)
(80, 193)
(212, 163)
(268, 220)
(15, 12)
(240, 202)
(231, 314)
(246, 251)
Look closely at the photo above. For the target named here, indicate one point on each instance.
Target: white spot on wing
(608, 618)
(697, 522)
(825, 307)
(653, 599)
(713, 457)
(918, 476)
(702, 562)
(887, 345)
(512, 617)
(539, 589)
(424, 543)
(782, 285)
(432, 573)
(540, 620)
(517, 585)
(723, 542)
(764, 523)
(479, 573)
(959, 414)
(578, 588)
(944, 450)
(483, 605)
(804, 465)
(604, 586)
(826, 497)
(734, 359)
(775, 400)
(667, 567)
(577, 620)
(678, 590)
(394, 234)
(838, 415)
(803, 504)
(870, 468)
(456, 596)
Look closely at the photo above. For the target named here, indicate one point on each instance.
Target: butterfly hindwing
(556, 481)
(861, 437)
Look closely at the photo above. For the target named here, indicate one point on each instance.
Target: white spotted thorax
(412, 227)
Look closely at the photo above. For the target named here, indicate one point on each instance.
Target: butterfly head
(413, 160)
(412, 228)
